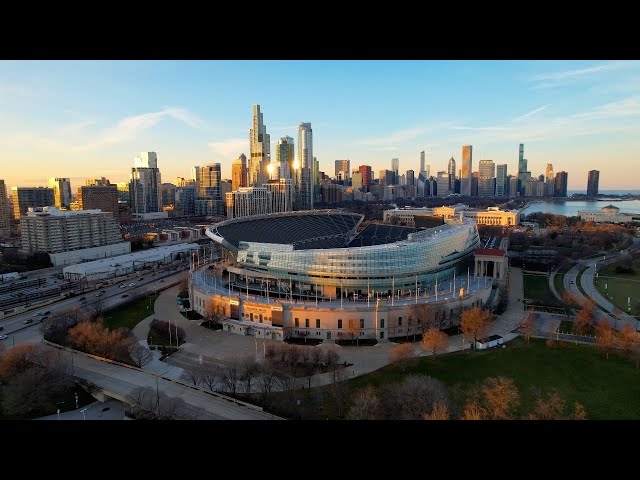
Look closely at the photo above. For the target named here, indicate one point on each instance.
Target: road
(122, 380)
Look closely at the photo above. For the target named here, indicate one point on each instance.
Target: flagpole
(436, 287)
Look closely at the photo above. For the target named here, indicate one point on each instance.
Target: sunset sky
(83, 119)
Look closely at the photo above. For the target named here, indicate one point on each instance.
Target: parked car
(83, 298)
(140, 279)
(38, 314)
(28, 320)
(48, 312)
(3, 337)
(124, 285)
(132, 284)
(125, 295)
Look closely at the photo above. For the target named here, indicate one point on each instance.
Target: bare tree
(424, 314)
(440, 412)
(549, 407)
(140, 355)
(317, 356)
(605, 336)
(403, 354)
(365, 405)
(248, 370)
(474, 323)
(286, 382)
(266, 379)
(579, 412)
(294, 358)
(193, 374)
(473, 411)
(501, 397)
(414, 397)
(211, 375)
(331, 359)
(435, 341)
(213, 314)
(97, 307)
(528, 327)
(232, 375)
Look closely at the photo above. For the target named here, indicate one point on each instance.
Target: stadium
(316, 273)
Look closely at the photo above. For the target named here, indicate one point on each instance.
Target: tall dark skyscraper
(451, 170)
(522, 162)
(562, 179)
(592, 183)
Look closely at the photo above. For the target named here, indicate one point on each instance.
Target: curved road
(122, 380)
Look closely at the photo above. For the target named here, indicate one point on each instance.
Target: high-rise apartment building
(103, 197)
(343, 169)
(451, 170)
(502, 185)
(52, 230)
(259, 143)
(273, 197)
(5, 211)
(356, 180)
(367, 177)
(395, 168)
(513, 186)
(123, 192)
(61, 191)
(442, 184)
(284, 166)
(486, 178)
(592, 183)
(305, 196)
(185, 200)
(25, 197)
(422, 162)
(239, 172)
(210, 178)
(144, 193)
(467, 168)
(562, 179)
(549, 172)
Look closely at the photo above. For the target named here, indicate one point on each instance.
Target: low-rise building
(608, 214)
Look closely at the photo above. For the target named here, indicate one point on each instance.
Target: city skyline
(577, 115)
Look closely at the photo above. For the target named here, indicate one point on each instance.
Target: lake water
(571, 208)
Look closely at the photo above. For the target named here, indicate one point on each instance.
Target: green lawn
(609, 389)
(536, 287)
(620, 286)
(130, 315)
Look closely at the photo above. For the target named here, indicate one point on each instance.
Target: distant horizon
(576, 115)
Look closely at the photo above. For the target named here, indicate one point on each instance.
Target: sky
(82, 119)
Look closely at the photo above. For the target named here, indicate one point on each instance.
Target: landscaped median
(619, 282)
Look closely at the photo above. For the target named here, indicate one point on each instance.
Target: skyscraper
(549, 172)
(367, 177)
(210, 179)
(467, 168)
(145, 194)
(395, 168)
(343, 169)
(259, 142)
(284, 161)
(451, 170)
(5, 211)
(239, 172)
(501, 181)
(61, 191)
(195, 176)
(562, 179)
(592, 183)
(25, 197)
(305, 159)
(486, 178)
(422, 162)
(522, 162)
(103, 197)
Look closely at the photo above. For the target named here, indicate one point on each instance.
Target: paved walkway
(219, 347)
(111, 410)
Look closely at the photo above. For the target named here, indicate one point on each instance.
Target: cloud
(553, 79)
(75, 128)
(623, 108)
(130, 127)
(531, 113)
(231, 147)
(400, 136)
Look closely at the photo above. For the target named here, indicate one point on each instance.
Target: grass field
(609, 389)
(131, 314)
(536, 287)
(620, 286)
